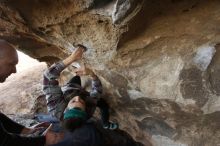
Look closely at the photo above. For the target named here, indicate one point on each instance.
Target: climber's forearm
(69, 60)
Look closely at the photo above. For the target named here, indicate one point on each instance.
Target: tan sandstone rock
(158, 59)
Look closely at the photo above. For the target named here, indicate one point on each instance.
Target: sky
(25, 62)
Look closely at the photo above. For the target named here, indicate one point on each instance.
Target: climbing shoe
(111, 126)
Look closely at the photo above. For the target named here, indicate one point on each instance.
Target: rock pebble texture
(158, 59)
(22, 94)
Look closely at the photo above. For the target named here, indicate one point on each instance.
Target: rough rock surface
(158, 59)
(22, 92)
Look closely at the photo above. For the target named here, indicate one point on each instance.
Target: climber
(72, 104)
(81, 129)
(80, 103)
(9, 130)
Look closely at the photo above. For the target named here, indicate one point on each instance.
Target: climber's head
(75, 114)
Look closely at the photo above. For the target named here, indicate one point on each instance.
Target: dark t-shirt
(87, 135)
(9, 131)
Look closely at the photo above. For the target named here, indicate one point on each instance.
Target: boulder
(158, 60)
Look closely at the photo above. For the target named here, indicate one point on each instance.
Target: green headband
(75, 113)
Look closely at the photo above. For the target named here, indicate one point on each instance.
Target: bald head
(8, 60)
(6, 49)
